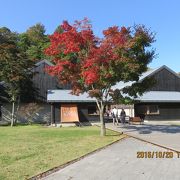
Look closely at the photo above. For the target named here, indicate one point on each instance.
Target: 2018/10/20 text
(157, 154)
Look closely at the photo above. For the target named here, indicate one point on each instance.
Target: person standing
(119, 115)
(115, 115)
(108, 113)
(123, 115)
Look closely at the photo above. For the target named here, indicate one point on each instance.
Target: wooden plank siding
(166, 81)
(43, 81)
(167, 111)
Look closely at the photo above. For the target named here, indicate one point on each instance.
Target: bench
(135, 120)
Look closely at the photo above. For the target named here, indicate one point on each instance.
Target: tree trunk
(103, 128)
(12, 114)
(100, 106)
(17, 109)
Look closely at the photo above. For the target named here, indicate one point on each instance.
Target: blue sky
(162, 16)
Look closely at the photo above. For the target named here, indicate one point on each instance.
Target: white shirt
(119, 112)
(114, 111)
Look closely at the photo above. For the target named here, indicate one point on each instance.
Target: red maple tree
(93, 65)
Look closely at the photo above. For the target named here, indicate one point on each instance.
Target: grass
(29, 150)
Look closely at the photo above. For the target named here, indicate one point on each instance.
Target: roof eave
(71, 101)
(160, 101)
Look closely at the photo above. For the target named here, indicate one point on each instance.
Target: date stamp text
(157, 154)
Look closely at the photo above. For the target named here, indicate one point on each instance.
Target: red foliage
(91, 75)
(82, 59)
(95, 55)
(71, 40)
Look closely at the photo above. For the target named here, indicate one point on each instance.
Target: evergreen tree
(15, 67)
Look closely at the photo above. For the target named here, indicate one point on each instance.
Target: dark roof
(66, 96)
(152, 96)
(149, 73)
(44, 61)
(160, 96)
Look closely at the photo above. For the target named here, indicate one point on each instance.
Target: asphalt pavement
(160, 133)
(120, 162)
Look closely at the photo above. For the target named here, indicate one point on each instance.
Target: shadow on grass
(22, 124)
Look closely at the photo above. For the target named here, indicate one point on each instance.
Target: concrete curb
(55, 169)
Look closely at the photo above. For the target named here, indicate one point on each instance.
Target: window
(153, 110)
(92, 110)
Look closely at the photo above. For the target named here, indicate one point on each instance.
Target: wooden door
(69, 113)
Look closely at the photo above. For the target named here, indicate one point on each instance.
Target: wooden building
(161, 102)
(64, 106)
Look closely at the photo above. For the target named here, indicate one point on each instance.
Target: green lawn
(28, 150)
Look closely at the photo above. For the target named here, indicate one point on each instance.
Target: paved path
(162, 134)
(119, 162)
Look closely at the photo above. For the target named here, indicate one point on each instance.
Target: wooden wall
(167, 111)
(166, 81)
(43, 82)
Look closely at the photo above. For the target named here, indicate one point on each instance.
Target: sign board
(69, 113)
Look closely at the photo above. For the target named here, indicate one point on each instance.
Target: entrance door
(69, 113)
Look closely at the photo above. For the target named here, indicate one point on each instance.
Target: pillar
(52, 114)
